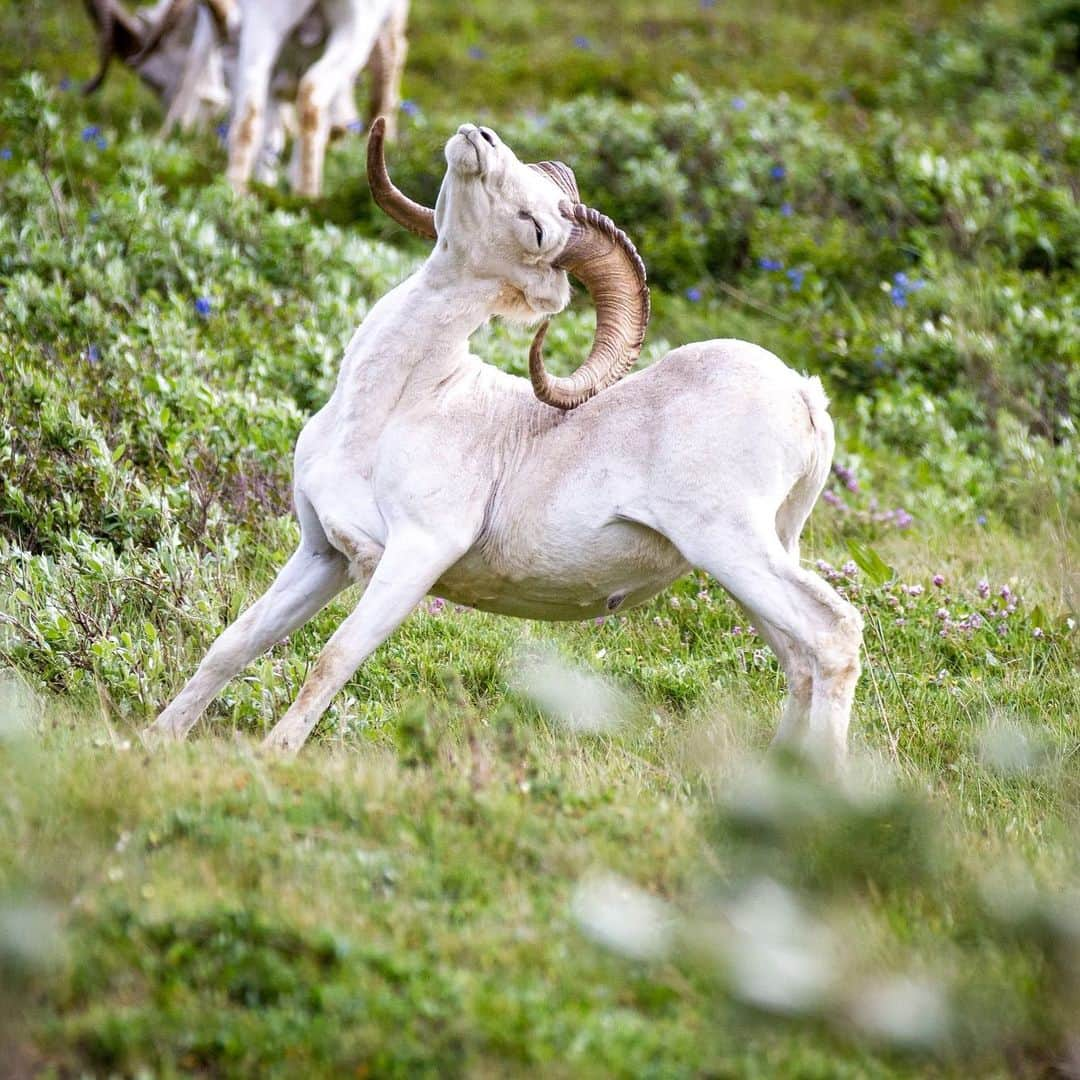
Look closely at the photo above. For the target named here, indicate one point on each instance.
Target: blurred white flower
(1007, 747)
(20, 708)
(622, 917)
(778, 957)
(905, 1010)
(574, 697)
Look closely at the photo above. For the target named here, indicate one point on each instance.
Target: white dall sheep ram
(358, 33)
(431, 471)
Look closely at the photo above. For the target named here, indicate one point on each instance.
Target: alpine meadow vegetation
(466, 873)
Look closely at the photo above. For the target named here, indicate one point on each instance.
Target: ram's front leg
(408, 569)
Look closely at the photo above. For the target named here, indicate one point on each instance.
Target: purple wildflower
(65, 83)
(582, 42)
(902, 518)
(787, 209)
(738, 104)
(981, 519)
(476, 53)
(832, 498)
(93, 354)
(983, 588)
(846, 476)
(942, 613)
(203, 306)
(410, 108)
(355, 126)
(938, 580)
(436, 605)
(693, 294)
(1037, 632)
(849, 569)
(1005, 593)
(599, 620)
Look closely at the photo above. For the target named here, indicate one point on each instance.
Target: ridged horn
(112, 21)
(166, 23)
(396, 204)
(600, 255)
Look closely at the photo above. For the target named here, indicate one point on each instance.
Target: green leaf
(877, 570)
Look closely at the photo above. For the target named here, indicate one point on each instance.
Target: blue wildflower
(787, 209)
(899, 296)
(693, 294)
(93, 354)
(738, 104)
(708, 3)
(203, 307)
(778, 172)
(770, 264)
(65, 83)
(5, 153)
(222, 133)
(476, 53)
(101, 142)
(582, 42)
(879, 350)
(410, 108)
(981, 519)
(355, 126)
(95, 217)
(90, 133)
(795, 276)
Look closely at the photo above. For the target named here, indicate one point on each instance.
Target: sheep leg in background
(407, 571)
(387, 66)
(202, 69)
(273, 144)
(264, 30)
(352, 36)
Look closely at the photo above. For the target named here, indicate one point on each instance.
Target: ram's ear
(562, 175)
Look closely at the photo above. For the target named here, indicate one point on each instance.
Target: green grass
(417, 893)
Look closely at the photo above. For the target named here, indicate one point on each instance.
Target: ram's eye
(526, 216)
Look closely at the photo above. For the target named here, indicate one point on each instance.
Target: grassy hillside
(453, 879)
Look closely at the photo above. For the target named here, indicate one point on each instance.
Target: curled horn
(167, 22)
(396, 204)
(112, 21)
(601, 256)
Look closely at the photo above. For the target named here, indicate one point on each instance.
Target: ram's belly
(593, 574)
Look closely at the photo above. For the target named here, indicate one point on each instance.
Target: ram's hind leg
(815, 632)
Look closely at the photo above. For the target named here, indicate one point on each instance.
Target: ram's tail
(795, 509)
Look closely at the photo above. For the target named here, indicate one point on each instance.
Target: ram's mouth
(471, 149)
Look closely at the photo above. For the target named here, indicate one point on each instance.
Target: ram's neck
(416, 335)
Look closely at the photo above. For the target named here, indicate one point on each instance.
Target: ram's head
(526, 225)
(152, 40)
